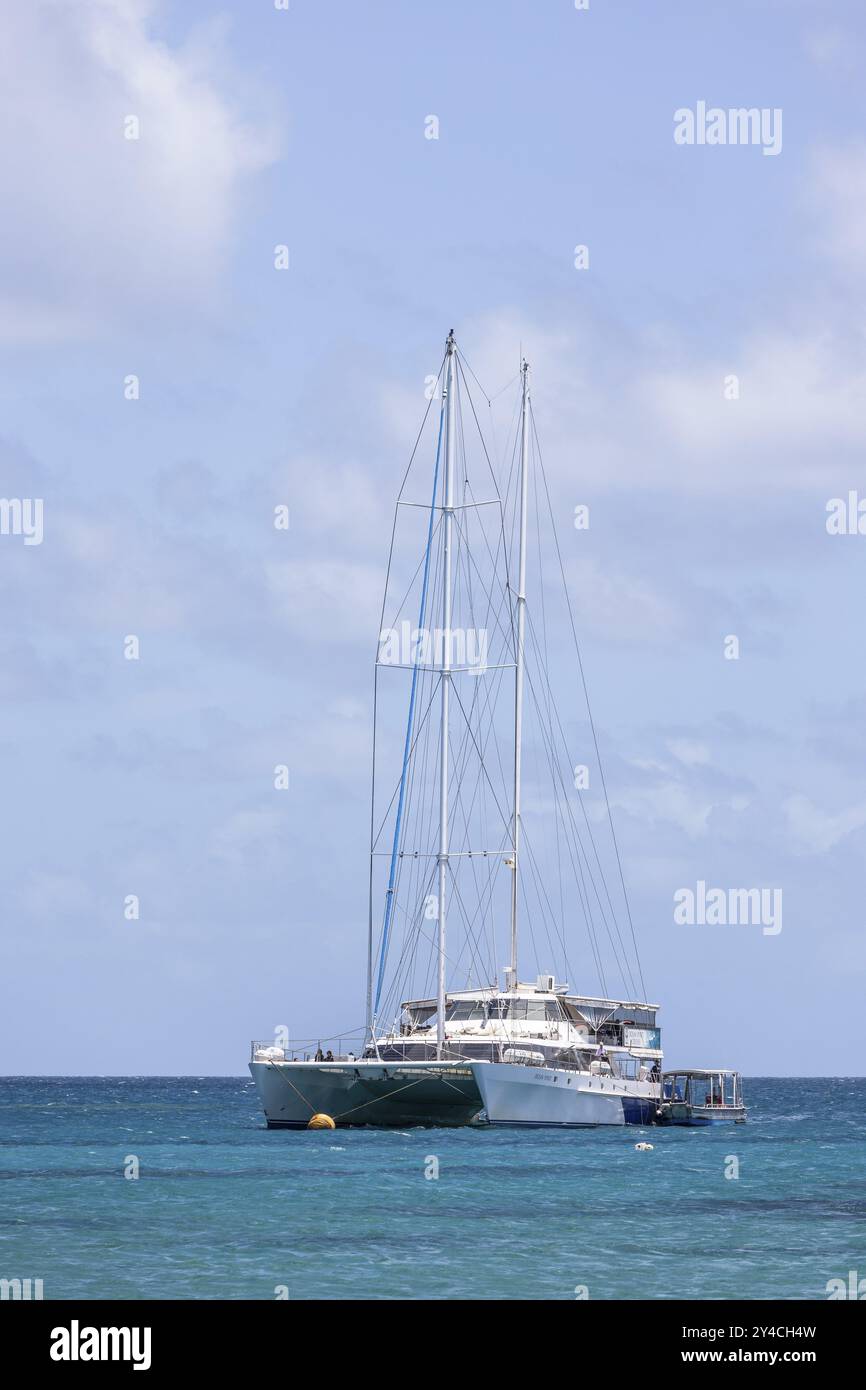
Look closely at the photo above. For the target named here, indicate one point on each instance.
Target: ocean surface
(224, 1208)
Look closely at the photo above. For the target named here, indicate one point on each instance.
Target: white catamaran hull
(396, 1094)
(521, 1095)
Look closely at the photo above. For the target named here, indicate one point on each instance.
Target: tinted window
(464, 1009)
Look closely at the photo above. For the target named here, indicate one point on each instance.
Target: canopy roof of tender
(701, 1071)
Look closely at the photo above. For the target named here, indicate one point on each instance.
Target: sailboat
(450, 855)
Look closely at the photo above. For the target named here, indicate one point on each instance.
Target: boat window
(635, 1018)
(529, 1010)
(610, 1033)
(461, 1010)
(416, 1018)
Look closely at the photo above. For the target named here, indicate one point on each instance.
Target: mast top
(450, 343)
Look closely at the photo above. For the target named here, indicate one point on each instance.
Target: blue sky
(155, 257)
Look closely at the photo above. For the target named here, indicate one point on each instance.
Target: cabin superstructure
(538, 1023)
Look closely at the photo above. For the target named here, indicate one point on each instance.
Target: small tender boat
(702, 1097)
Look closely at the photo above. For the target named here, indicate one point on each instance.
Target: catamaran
(452, 857)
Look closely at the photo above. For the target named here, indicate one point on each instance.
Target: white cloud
(798, 421)
(98, 224)
(839, 193)
(831, 46)
(687, 792)
(818, 830)
(339, 498)
(672, 802)
(799, 407)
(612, 603)
(689, 751)
(328, 601)
(249, 838)
(55, 896)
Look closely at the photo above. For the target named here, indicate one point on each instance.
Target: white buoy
(642, 1148)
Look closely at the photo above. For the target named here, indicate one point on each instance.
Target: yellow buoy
(321, 1122)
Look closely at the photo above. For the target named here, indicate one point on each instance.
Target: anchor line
(373, 1099)
(293, 1086)
(352, 1110)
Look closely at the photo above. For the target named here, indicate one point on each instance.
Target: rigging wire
(479, 805)
(588, 706)
(389, 897)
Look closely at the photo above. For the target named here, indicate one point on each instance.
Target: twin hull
(519, 1095)
(446, 1093)
(389, 1094)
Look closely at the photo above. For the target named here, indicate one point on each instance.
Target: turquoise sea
(224, 1208)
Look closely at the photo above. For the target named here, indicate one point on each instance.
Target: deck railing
(342, 1050)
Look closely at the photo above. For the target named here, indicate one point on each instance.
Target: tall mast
(518, 691)
(445, 680)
